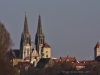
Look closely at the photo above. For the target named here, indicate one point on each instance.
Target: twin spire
(26, 24)
(39, 28)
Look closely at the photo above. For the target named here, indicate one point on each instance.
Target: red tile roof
(78, 64)
(56, 60)
(46, 45)
(97, 45)
(68, 58)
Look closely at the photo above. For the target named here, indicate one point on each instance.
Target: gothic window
(41, 41)
(27, 40)
(28, 51)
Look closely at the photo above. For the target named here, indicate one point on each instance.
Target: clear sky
(70, 26)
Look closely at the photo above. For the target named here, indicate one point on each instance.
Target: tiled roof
(56, 60)
(78, 64)
(46, 45)
(97, 45)
(88, 62)
(43, 62)
(68, 58)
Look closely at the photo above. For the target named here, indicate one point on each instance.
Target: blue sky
(70, 26)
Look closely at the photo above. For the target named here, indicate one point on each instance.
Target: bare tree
(5, 44)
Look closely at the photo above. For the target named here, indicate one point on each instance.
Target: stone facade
(97, 50)
(26, 52)
(25, 44)
(46, 51)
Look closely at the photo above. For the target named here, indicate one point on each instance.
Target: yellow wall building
(46, 51)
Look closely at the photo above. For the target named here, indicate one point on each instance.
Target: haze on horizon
(70, 26)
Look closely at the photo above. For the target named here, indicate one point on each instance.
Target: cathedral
(28, 53)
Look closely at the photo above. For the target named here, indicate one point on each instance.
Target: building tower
(46, 51)
(25, 43)
(97, 50)
(39, 37)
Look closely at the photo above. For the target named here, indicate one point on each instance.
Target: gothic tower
(39, 37)
(97, 50)
(25, 43)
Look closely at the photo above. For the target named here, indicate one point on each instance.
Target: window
(41, 41)
(28, 51)
(27, 40)
(46, 56)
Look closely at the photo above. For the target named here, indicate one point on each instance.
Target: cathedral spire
(39, 37)
(26, 31)
(39, 29)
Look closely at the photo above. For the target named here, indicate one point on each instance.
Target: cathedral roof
(44, 62)
(97, 45)
(46, 45)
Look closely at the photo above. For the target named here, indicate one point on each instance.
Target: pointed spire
(26, 24)
(39, 29)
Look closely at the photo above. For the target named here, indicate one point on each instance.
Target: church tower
(97, 50)
(25, 43)
(39, 37)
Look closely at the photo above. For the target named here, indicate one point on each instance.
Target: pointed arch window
(41, 41)
(28, 51)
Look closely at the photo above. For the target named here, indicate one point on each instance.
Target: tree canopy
(5, 45)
